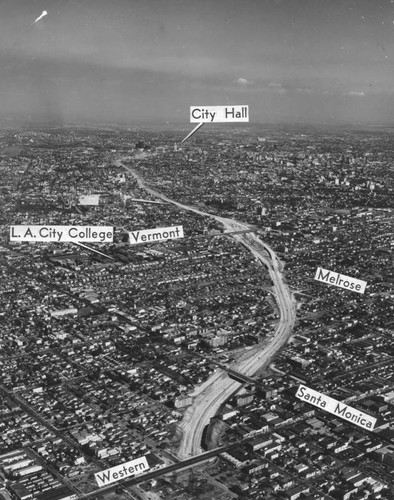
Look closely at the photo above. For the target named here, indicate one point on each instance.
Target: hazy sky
(131, 60)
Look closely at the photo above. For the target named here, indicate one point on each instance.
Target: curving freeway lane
(219, 387)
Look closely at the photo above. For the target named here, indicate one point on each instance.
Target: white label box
(158, 234)
(89, 199)
(219, 114)
(62, 234)
(336, 408)
(340, 280)
(121, 471)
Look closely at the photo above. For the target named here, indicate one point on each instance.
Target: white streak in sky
(44, 13)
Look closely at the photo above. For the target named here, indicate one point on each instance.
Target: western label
(158, 234)
(216, 114)
(61, 234)
(121, 471)
(336, 408)
(340, 280)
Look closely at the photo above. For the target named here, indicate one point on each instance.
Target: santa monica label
(336, 408)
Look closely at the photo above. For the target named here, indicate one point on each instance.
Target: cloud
(276, 87)
(304, 90)
(242, 81)
(355, 93)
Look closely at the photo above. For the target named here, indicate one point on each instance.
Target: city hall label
(61, 234)
(219, 114)
(340, 280)
(336, 408)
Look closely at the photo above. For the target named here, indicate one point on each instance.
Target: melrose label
(340, 280)
(336, 408)
(158, 234)
(121, 471)
(60, 234)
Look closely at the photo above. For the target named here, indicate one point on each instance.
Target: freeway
(219, 387)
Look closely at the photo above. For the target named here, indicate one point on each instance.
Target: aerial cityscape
(197, 303)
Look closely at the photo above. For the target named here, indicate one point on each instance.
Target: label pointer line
(91, 249)
(193, 131)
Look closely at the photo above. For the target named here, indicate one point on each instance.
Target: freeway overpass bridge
(240, 377)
